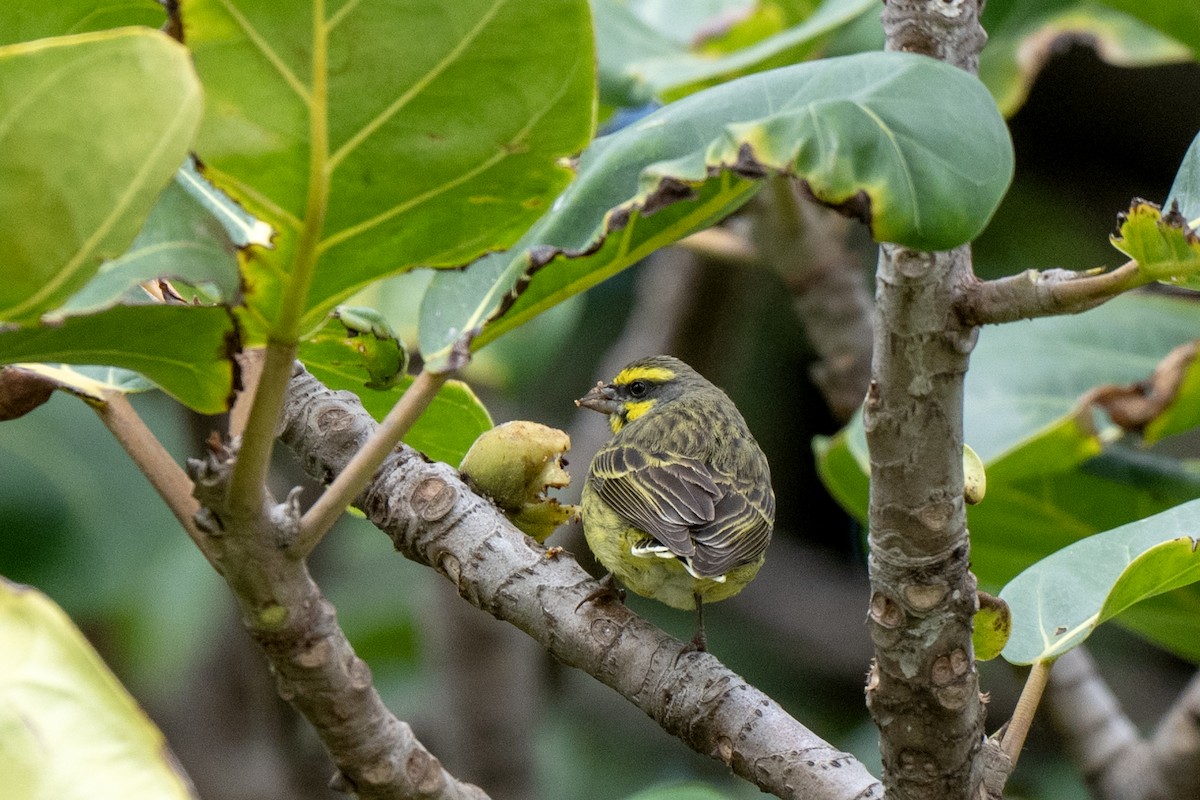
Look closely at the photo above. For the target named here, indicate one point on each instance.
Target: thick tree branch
(434, 519)
(1116, 762)
(1051, 292)
(923, 689)
(314, 665)
(358, 471)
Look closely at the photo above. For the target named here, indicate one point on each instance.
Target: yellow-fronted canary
(678, 505)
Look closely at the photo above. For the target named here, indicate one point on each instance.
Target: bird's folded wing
(667, 497)
(739, 534)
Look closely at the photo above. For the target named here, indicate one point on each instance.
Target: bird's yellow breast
(612, 539)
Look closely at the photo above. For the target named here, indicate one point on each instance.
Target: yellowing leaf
(70, 730)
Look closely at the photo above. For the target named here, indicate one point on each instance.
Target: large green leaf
(1059, 601)
(912, 142)
(186, 350)
(68, 729)
(92, 127)
(1024, 34)
(659, 57)
(25, 20)
(1052, 476)
(380, 135)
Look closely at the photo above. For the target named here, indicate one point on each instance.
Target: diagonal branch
(153, 460)
(1116, 762)
(314, 665)
(434, 519)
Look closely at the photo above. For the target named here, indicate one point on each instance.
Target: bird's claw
(608, 592)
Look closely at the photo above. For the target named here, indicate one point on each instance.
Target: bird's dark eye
(638, 388)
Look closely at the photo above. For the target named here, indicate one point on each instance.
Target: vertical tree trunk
(923, 690)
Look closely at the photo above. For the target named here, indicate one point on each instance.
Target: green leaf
(94, 125)
(68, 728)
(192, 235)
(435, 152)
(1164, 245)
(1024, 35)
(25, 20)
(1059, 601)
(912, 142)
(642, 60)
(186, 350)
(1179, 19)
(991, 628)
(447, 428)
(358, 341)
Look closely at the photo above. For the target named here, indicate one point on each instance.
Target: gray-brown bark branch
(1044, 293)
(315, 667)
(923, 689)
(434, 519)
(1116, 762)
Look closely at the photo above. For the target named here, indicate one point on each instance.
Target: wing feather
(713, 521)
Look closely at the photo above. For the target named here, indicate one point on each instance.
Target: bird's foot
(607, 592)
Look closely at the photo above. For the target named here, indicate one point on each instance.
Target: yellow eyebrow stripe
(655, 374)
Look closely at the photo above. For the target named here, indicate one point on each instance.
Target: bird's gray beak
(601, 398)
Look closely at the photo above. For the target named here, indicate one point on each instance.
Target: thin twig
(317, 521)
(247, 486)
(1052, 292)
(148, 453)
(1022, 718)
(251, 362)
